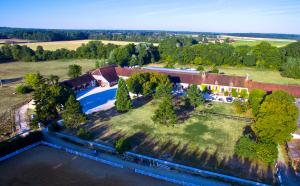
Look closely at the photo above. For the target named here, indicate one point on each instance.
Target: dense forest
(171, 50)
(152, 36)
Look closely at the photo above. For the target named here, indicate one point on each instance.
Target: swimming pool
(96, 98)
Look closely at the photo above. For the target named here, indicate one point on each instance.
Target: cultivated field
(205, 141)
(71, 45)
(259, 75)
(47, 166)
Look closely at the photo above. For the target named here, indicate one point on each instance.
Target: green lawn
(205, 133)
(59, 67)
(265, 75)
(203, 141)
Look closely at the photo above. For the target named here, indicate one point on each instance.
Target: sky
(261, 16)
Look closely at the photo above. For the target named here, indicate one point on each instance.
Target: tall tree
(73, 115)
(277, 118)
(74, 71)
(165, 114)
(123, 101)
(256, 97)
(195, 96)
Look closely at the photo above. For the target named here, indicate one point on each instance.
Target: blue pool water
(95, 100)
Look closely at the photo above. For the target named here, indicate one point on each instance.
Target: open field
(59, 67)
(71, 45)
(256, 42)
(251, 41)
(259, 75)
(46, 166)
(19, 69)
(204, 141)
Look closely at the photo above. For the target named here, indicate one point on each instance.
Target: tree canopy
(277, 118)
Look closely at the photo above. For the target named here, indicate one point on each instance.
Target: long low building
(217, 82)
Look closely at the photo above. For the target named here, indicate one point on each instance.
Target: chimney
(247, 77)
(203, 75)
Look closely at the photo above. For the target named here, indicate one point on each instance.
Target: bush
(266, 152)
(16, 143)
(54, 127)
(215, 70)
(200, 68)
(244, 93)
(83, 134)
(23, 89)
(246, 148)
(234, 92)
(122, 145)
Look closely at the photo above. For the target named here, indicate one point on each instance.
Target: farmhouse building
(105, 76)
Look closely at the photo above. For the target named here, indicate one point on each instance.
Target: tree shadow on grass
(106, 115)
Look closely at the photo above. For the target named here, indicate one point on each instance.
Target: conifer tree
(73, 115)
(123, 101)
(165, 114)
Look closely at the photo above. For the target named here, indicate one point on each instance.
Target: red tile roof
(225, 80)
(109, 73)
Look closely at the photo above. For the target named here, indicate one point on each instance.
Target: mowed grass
(277, 43)
(59, 67)
(71, 45)
(259, 75)
(204, 133)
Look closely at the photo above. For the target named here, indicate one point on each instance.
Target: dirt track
(47, 166)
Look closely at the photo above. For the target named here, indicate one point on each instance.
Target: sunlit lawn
(208, 133)
(277, 43)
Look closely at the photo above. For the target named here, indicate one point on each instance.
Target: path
(20, 119)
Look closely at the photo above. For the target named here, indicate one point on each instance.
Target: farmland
(252, 41)
(70, 45)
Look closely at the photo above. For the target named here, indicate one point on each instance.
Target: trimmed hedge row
(18, 142)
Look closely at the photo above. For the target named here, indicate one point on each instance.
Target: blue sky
(266, 16)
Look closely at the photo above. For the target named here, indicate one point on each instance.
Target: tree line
(180, 50)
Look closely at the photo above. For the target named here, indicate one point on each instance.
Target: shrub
(16, 143)
(234, 92)
(122, 145)
(266, 152)
(226, 93)
(83, 134)
(215, 70)
(245, 148)
(54, 127)
(23, 89)
(200, 68)
(244, 93)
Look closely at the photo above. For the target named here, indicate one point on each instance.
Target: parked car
(229, 99)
